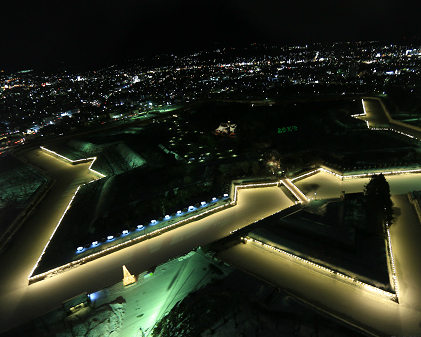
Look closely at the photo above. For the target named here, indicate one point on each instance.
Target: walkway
(294, 190)
(377, 116)
(20, 303)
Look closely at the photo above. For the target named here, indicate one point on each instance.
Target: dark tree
(378, 203)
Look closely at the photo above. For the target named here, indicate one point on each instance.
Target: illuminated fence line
(390, 119)
(363, 114)
(130, 242)
(392, 261)
(306, 174)
(330, 272)
(73, 162)
(394, 130)
(362, 175)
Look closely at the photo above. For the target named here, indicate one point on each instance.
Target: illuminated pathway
(377, 117)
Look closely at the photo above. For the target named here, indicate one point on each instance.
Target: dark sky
(91, 32)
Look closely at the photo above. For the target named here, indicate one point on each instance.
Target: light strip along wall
(327, 271)
(362, 175)
(364, 113)
(73, 162)
(390, 129)
(392, 261)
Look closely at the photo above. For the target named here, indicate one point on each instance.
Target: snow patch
(105, 321)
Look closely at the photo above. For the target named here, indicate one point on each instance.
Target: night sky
(94, 33)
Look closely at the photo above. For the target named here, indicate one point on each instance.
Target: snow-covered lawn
(18, 182)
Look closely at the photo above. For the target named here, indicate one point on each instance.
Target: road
(20, 303)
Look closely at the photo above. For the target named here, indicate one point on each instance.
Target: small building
(76, 303)
(226, 129)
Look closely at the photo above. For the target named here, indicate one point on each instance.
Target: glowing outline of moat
(348, 279)
(106, 251)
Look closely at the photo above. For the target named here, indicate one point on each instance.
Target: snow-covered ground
(135, 309)
(193, 295)
(18, 183)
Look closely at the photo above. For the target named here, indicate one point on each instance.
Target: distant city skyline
(91, 34)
